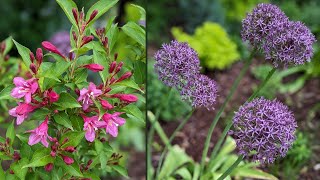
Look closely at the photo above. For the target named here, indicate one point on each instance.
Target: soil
(302, 103)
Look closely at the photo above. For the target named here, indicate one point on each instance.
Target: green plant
(215, 49)
(161, 96)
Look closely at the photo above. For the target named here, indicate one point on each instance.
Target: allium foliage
(264, 129)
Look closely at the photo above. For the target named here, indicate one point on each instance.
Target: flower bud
(16, 156)
(124, 76)
(33, 68)
(126, 97)
(74, 35)
(65, 140)
(77, 91)
(2, 47)
(115, 56)
(11, 171)
(6, 58)
(7, 141)
(93, 15)
(119, 67)
(89, 162)
(53, 153)
(112, 66)
(94, 67)
(39, 55)
(86, 39)
(56, 111)
(112, 80)
(68, 160)
(50, 47)
(105, 104)
(53, 96)
(75, 15)
(70, 149)
(48, 167)
(31, 56)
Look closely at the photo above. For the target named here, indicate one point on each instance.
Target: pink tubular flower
(40, 134)
(53, 96)
(94, 67)
(90, 126)
(87, 95)
(130, 98)
(112, 121)
(50, 47)
(21, 112)
(24, 88)
(105, 104)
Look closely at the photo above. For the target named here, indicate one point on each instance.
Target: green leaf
(253, 173)
(74, 137)
(2, 173)
(91, 175)
(18, 170)
(102, 6)
(9, 45)
(63, 119)
(98, 146)
(135, 113)
(24, 53)
(11, 133)
(101, 59)
(127, 83)
(140, 72)
(67, 101)
(121, 170)
(23, 138)
(136, 32)
(184, 173)
(6, 92)
(26, 151)
(40, 158)
(112, 35)
(39, 114)
(56, 70)
(67, 6)
(81, 76)
(72, 169)
(77, 122)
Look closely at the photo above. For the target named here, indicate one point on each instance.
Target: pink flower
(21, 112)
(50, 47)
(68, 160)
(90, 126)
(94, 67)
(53, 96)
(105, 104)
(112, 121)
(24, 88)
(87, 95)
(126, 97)
(40, 134)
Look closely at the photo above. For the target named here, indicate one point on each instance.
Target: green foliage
(216, 50)
(158, 97)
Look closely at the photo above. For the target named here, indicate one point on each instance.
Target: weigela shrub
(75, 118)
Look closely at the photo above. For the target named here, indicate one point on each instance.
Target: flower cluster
(284, 42)
(178, 65)
(264, 129)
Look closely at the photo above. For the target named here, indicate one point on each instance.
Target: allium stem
(217, 117)
(231, 168)
(185, 120)
(227, 128)
(149, 151)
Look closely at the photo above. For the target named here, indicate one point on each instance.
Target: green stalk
(231, 168)
(149, 150)
(171, 139)
(227, 128)
(217, 117)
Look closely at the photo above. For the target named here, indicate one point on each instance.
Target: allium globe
(176, 63)
(263, 130)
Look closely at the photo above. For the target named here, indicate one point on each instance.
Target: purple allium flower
(264, 129)
(62, 41)
(263, 20)
(290, 45)
(176, 63)
(201, 92)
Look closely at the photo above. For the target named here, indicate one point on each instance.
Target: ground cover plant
(62, 122)
(263, 129)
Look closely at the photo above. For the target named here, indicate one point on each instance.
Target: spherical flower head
(200, 91)
(291, 45)
(262, 21)
(263, 130)
(176, 63)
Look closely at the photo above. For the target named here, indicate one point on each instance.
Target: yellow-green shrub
(215, 49)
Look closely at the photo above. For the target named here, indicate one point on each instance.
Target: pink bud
(89, 162)
(48, 167)
(2, 47)
(119, 67)
(77, 91)
(65, 140)
(124, 76)
(93, 15)
(112, 80)
(68, 160)
(112, 66)
(53, 96)
(94, 67)
(50, 47)
(75, 14)
(39, 55)
(70, 149)
(31, 56)
(74, 35)
(33, 68)
(6, 58)
(56, 111)
(126, 97)
(105, 104)
(16, 156)
(86, 39)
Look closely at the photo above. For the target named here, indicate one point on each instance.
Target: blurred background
(212, 28)
(34, 21)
